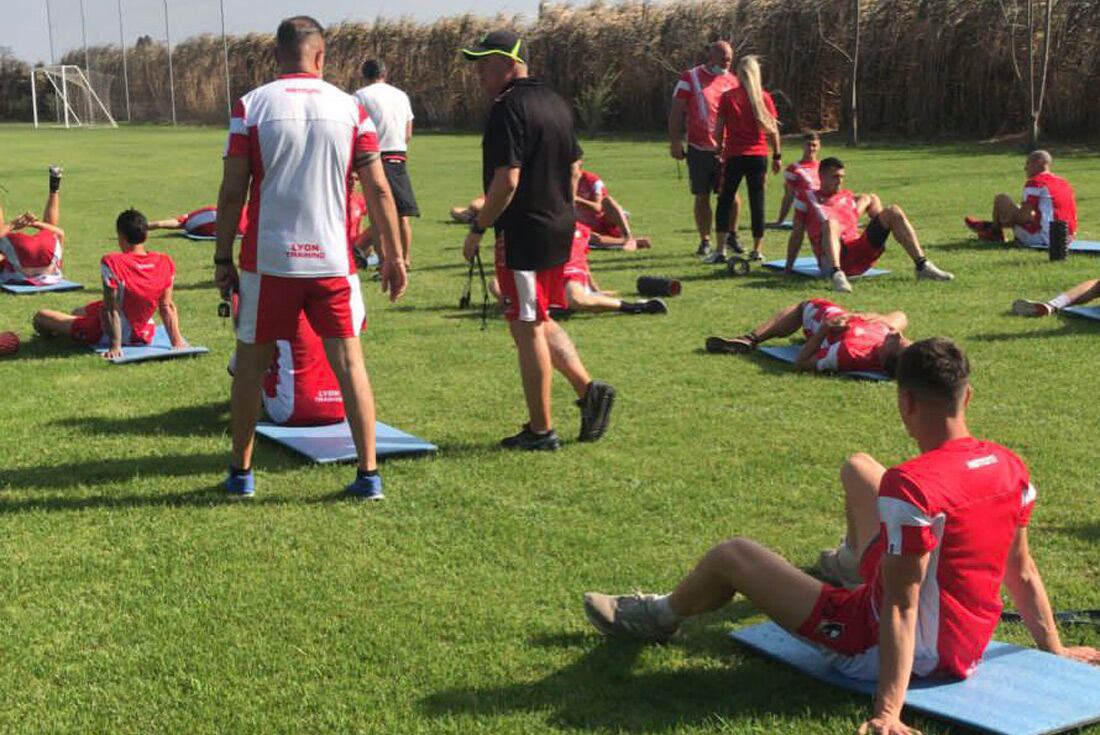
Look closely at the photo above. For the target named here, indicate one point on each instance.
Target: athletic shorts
(528, 296)
(400, 184)
(814, 311)
(269, 307)
(89, 328)
(843, 623)
(860, 254)
(704, 170)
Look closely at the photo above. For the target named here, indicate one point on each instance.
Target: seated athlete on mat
(200, 223)
(583, 294)
(1047, 197)
(136, 283)
(1082, 293)
(934, 539)
(801, 174)
(34, 259)
(836, 340)
(599, 211)
(830, 215)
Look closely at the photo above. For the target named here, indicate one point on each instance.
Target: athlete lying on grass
(836, 340)
(1082, 293)
(34, 258)
(200, 223)
(929, 544)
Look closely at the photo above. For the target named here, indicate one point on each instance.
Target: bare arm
(236, 175)
(596, 207)
(719, 133)
(806, 361)
(785, 205)
(794, 242)
(617, 216)
(112, 322)
(170, 316)
(501, 190)
(408, 131)
(676, 129)
(60, 233)
(383, 217)
(773, 141)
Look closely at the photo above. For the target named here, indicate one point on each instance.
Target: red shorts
(270, 305)
(528, 295)
(89, 328)
(860, 254)
(843, 622)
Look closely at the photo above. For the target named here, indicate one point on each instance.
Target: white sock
(1060, 301)
(665, 613)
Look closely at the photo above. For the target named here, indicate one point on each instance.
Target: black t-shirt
(531, 127)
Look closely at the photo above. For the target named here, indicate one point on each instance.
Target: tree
(853, 61)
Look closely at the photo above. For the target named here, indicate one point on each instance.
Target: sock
(1060, 301)
(237, 472)
(920, 262)
(630, 307)
(753, 338)
(360, 474)
(665, 613)
(834, 271)
(55, 183)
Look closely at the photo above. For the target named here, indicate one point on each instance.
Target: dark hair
(830, 164)
(132, 226)
(890, 364)
(934, 369)
(811, 135)
(293, 32)
(374, 69)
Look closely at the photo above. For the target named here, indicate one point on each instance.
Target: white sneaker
(840, 567)
(1024, 307)
(933, 273)
(840, 283)
(715, 258)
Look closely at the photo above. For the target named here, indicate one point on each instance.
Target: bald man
(695, 100)
(1047, 197)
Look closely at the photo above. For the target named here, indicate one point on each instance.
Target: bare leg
(535, 369)
(894, 219)
(830, 253)
(244, 399)
(704, 217)
(51, 215)
(785, 205)
(777, 588)
(346, 358)
(580, 300)
(1082, 293)
(406, 240)
(861, 476)
(783, 323)
(1006, 212)
(165, 224)
(50, 323)
(564, 357)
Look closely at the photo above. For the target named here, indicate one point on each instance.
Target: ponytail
(748, 72)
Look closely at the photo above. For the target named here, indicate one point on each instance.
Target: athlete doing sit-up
(931, 542)
(830, 216)
(836, 340)
(34, 258)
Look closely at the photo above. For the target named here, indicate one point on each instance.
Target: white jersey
(301, 135)
(391, 112)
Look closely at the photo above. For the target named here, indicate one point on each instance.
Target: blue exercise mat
(332, 443)
(22, 289)
(1089, 312)
(788, 353)
(807, 266)
(1077, 246)
(159, 349)
(1015, 691)
(787, 225)
(199, 238)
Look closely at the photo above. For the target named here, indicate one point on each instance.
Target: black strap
(484, 292)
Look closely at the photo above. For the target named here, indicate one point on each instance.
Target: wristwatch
(223, 261)
(477, 229)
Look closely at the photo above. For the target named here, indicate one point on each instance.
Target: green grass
(136, 600)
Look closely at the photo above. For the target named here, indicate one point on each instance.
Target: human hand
(676, 149)
(394, 278)
(226, 278)
(886, 725)
(777, 165)
(630, 244)
(471, 246)
(112, 352)
(1084, 654)
(181, 345)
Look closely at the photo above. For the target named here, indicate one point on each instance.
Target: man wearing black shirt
(530, 167)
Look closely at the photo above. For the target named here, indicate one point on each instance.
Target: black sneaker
(734, 244)
(703, 249)
(595, 410)
(55, 177)
(735, 346)
(529, 441)
(654, 306)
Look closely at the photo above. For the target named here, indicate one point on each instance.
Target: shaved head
(1040, 156)
(297, 35)
(720, 53)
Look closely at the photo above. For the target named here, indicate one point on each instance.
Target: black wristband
(223, 261)
(777, 156)
(476, 229)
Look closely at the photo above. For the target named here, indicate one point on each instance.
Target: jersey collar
(300, 75)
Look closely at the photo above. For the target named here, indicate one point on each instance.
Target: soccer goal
(77, 103)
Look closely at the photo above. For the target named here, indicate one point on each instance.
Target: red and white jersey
(854, 349)
(743, 135)
(1052, 198)
(141, 280)
(701, 91)
(203, 222)
(817, 311)
(962, 503)
(32, 258)
(300, 388)
(803, 175)
(576, 268)
(591, 188)
(301, 135)
(357, 209)
(815, 209)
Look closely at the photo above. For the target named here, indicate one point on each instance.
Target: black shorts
(400, 185)
(703, 171)
(876, 233)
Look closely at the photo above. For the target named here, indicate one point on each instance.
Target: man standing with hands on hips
(293, 145)
(530, 166)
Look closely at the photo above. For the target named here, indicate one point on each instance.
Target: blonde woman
(747, 123)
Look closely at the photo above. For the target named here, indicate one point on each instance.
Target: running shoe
(756, 255)
(366, 487)
(627, 616)
(1024, 307)
(55, 177)
(839, 567)
(736, 346)
(654, 306)
(931, 272)
(715, 258)
(734, 243)
(595, 410)
(984, 229)
(529, 441)
(704, 248)
(240, 486)
(840, 283)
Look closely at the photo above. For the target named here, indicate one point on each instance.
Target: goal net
(66, 95)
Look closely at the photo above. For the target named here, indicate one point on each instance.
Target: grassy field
(136, 600)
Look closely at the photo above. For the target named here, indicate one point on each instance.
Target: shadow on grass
(204, 497)
(974, 244)
(1071, 327)
(1089, 531)
(208, 419)
(107, 471)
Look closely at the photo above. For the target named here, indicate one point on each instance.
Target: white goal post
(72, 90)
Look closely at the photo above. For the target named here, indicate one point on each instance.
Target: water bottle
(1059, 235)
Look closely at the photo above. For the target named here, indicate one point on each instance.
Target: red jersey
(743, 134)
(815, 209)
(803, 175)
(854, 349)
(576, 268)
(1052, 198)
(357, 209)
(701, 92)
(817, 311)
(203, 222)
(33, 258)
(300, 388)
(591, 187)
(962, 503)
(141, 281)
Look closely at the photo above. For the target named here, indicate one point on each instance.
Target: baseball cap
(504, 43)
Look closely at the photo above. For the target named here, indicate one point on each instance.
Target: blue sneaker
(241, 486)
(367, 488)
